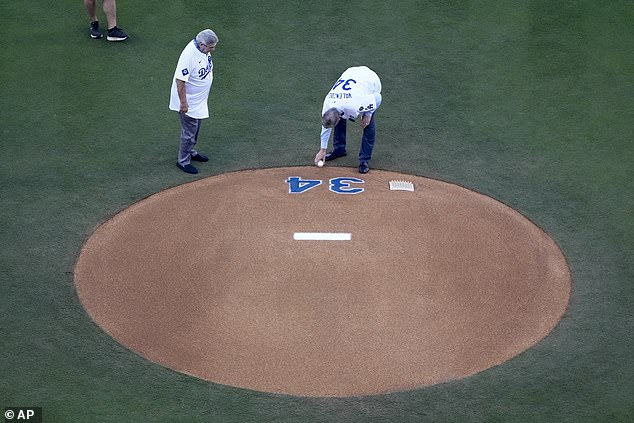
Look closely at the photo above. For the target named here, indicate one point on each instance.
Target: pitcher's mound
(383, 289)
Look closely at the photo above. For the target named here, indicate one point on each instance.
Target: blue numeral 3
(346, 84)
(342, 185)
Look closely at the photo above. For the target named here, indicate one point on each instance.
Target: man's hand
(365, 120)
(321, 155)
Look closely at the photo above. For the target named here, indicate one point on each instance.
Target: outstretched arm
(325, 137)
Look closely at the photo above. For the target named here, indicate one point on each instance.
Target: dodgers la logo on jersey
(203, 72)
(297, 185)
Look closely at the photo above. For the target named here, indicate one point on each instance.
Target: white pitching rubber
(322, 236)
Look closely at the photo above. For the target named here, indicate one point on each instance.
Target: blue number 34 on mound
(297, 185)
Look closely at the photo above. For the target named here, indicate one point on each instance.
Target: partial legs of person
(190, 128)
(338, 141)
(110, 9)
(367, 145)
(91, 9)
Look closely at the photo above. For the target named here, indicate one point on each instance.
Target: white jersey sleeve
(325, 136)
(184, 66)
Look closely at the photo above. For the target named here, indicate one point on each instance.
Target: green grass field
(528, 102)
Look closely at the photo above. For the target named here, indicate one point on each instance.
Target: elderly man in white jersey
(356, 93)
(190, 91)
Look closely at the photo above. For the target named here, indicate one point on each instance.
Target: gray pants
(190, 128)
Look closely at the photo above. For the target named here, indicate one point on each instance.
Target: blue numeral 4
(297, 185)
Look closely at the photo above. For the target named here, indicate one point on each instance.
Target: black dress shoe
(363, 167)
(200, 158)
(187, 168)
(334, 154)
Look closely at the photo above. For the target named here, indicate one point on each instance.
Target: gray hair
(207, 37)
(330, 118)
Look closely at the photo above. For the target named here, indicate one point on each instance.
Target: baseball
(320, 163)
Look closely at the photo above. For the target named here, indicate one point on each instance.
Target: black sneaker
(188, 168)
(94, 30)
(200, 158)
(364, 167)
(334, 154)
(116, 34)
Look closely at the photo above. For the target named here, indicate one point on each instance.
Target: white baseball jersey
(357, 91)
(196, 69)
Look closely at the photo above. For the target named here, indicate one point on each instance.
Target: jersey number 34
(346, 84)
